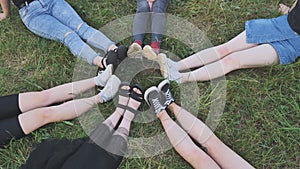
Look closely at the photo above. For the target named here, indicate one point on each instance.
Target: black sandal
(125, 93)
(136, 96)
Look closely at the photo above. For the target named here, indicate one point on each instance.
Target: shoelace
(169, 97)
(156, 104)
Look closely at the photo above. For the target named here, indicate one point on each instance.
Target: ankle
(138, 42)
(155, 46)
(112, 47)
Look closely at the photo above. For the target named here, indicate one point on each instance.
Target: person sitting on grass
(264, 42)
(218, 154)
(57, 20)
(23, 113)
(158, 9)
(104, 148)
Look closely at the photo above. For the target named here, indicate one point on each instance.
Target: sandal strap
(135, 112)
(137, 96)
(102, 62)
(124, 92)
(122, 106)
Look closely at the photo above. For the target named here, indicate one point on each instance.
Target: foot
(124, 93)
(155, 99)
(164, 87)
(103, 76)
(155, 46)
(115, 56)
(149, 53)
(134, 50)
(283, 9)
(136, 98)
(110, 89)
(169, 68)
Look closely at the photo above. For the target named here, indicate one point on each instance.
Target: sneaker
(164, 87)
(169, 68)
(134, 50)
(111, 88)
(149, 53)
(155, 99)
(116, 56)
(103, 76)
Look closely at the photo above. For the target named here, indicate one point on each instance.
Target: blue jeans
(158, 20)
(57, 20)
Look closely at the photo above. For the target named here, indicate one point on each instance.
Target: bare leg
(184, 145)
(32, 100)
(258, 56)
(213, 54)
(36, 118)
(217, 150)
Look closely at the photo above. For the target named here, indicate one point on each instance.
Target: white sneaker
(134, 51)
(103, 76)
(111, 88)
(149, 53)
(169, 68)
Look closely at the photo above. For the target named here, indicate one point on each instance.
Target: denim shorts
(276, 32)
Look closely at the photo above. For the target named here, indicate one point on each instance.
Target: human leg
(213, 54)
(158, 23)
(10, 129)
(258, 56)
(32, 100)
(178, 137)
(118, 142)
(217, 150)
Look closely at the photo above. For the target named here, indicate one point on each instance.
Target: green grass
(261, 117)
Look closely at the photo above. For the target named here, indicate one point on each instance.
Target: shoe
(155, 99)
(137, 97)
(135, 50)
(164, 87)
(110, 89)
(125, 93)
(103, 76)
(115, 56)
(169, 68)
(149, 53)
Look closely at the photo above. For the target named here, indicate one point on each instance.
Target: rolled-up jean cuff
(88, 54)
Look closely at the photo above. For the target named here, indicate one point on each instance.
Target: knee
(142, 6)
(231, 62)
(47, 115)
(223, 50)
(160, 6)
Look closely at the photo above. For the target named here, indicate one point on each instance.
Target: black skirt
(71, 154)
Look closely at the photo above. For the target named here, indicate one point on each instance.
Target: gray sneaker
(169, 68)
(103, 76)
(111, 88)
(164, 87)
(155, 99)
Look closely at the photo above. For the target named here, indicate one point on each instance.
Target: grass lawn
(261, 116)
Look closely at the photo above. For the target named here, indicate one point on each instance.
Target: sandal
(139, 97)
(115, 57)
(125, 93)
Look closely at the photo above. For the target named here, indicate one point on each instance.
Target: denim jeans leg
(68, 16)
(141, 18)
(159, 19)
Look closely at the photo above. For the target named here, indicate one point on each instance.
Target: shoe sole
(147, 92)
(135, 51)
(149, 53)
(161, 59)
(162, 84)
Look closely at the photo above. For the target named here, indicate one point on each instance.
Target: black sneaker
(155, 99)
(116, 56)
(164, 87)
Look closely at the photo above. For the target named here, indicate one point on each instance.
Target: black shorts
(9, 106)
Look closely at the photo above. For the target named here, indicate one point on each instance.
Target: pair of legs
(218, 154)
(157, 18)
(219, 60)
(27, 112)
(57, 20)
(104, 148)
